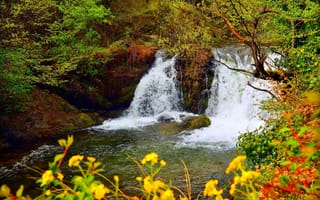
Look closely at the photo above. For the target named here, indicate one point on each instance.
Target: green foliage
(84, 14)
(58, 37)
(26, 22)
(184, 29)
(257, 146)
(15, 83)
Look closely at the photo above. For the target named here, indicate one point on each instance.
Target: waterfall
(156, 94)
(233, 106)
(157, 91)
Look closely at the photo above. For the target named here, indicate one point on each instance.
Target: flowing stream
(233, 108)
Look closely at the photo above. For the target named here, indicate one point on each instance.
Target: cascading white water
(157, 93)
(233, 106)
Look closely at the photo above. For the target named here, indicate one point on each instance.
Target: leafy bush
(15, 82)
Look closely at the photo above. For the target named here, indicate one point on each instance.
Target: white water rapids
(233, 106)
(156, 95)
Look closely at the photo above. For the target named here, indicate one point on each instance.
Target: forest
(71, 64)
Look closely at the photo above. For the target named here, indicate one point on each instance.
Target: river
(233, 109)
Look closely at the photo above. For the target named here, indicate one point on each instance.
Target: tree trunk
(259, 58)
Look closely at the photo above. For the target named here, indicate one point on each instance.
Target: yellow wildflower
(233, 188)
(47, 177)
(147, 184)
(139, 178)
(183, 198)
(248, 176)
(60, 176)
(99, 191)
(211, 189)
(236, 179)
(163, 163)
(235, 164)
(167, 195)
(150, 157)
(48, 192)
(151, 186)
(116, 178)
(74, 161)
(91, 159)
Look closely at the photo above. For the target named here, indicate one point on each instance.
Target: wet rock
(187, 123)
(46, 115)
(196, 78)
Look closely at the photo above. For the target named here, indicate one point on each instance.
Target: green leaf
(70, 140)
(90, 178)
(293, 167)
(20, 191)
(284, 163)
(58, 157)
(292, 143)
(62, 142)
(302, 130)
(81, 195)
(5, 190)
(284, 179)
(284, 130)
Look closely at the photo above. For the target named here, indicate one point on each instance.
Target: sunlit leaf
(302, 130)
(313, 97)
(58, 157)
(5, 190)
(308, 150)
(20, 191)
(62, 142)
(70, 140)
(292, 143)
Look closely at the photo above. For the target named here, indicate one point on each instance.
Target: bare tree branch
(263, 90)
(234, 69)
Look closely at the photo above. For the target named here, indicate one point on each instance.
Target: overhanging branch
(234, 69)
(263, 90)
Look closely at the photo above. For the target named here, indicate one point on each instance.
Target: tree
(253, 23)
(184, 30)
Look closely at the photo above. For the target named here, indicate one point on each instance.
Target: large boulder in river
(45, 115)
(196, 122)
(187, 123)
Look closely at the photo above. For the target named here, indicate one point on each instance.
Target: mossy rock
(188, 123)
(196, 122)
(86, 120)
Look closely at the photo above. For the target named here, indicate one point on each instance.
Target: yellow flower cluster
(245, 178)
(60, 176)
(47, 177)
(167, 195)
(74, 161)
(248, 176)
(156, 188)
(211, 190)
(151, 186)
(91, 159)
(99, 191)
(236, 164)
(150, 157)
